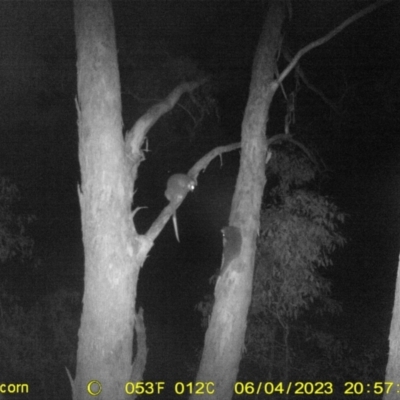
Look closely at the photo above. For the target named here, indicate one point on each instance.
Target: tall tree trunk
(393, 365)
(224, 339)
(114, 252)
(111, 268)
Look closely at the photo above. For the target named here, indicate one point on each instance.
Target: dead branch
(305, 80)
(330, 35)
(136, 135)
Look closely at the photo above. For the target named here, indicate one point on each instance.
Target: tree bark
(393, 364)
(105, 195)
(114, 251)
(224, 339)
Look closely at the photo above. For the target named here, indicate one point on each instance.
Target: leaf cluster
(37, 343)
(299, 232)
(14, 242)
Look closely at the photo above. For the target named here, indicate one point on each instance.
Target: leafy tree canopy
(298, 234)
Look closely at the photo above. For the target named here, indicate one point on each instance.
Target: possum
(178, 185)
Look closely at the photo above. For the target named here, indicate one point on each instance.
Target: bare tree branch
(136, 135)
(330, 35)
(302, 75)
(202, 164)
(166, 213)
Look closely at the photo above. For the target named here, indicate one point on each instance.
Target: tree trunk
(393, 365)
(224, 339)
(114, 252)
(105, 195)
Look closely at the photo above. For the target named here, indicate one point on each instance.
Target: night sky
(358, 71)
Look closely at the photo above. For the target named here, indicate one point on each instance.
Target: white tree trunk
(224, 339)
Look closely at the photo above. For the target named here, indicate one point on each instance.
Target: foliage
(37, 344)
(297, 237)
(318, 356)
(298, 234)
(286, 170)
(337, 359)
(14, 242)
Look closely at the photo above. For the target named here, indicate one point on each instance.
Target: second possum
(178, 185)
